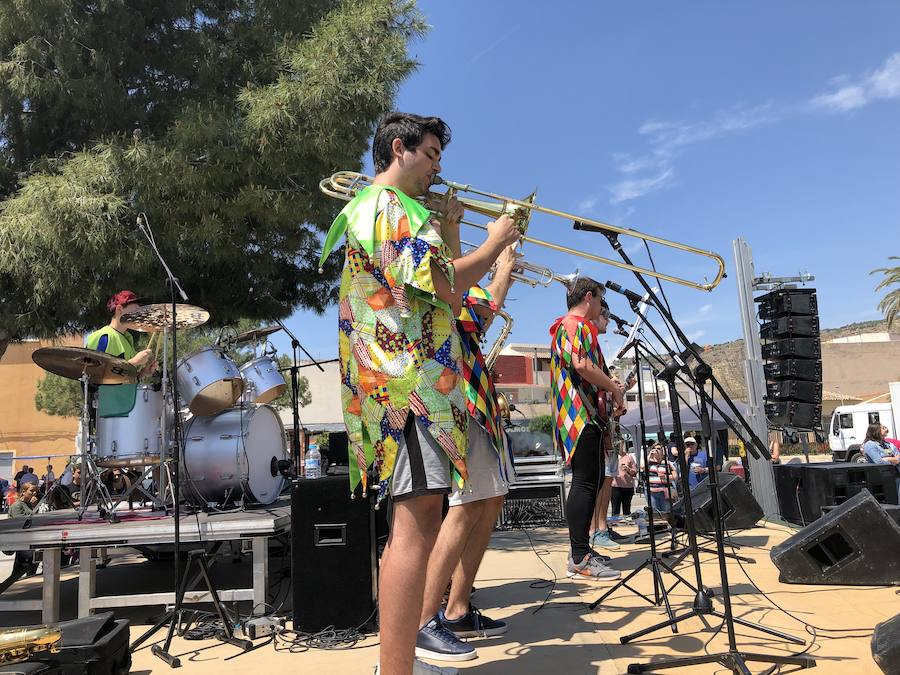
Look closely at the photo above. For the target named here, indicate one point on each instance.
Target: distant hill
(727, 359)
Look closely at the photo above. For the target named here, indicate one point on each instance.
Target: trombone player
(401, 358)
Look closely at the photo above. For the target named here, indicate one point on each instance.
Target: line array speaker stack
(334, 566)
(855, 544)
(804, 490)
(793, 355)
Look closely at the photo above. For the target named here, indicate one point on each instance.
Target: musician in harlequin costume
(466, 530)
(578, 380)
(401, 357)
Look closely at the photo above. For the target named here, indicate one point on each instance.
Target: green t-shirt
(111, 341)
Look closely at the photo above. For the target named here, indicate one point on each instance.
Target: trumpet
(345, 184)
(543, 276)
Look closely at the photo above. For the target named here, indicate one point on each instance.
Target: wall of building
(24, 430)
(861, 369)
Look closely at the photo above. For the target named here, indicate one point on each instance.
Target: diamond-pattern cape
(481, 399)
(573, 399)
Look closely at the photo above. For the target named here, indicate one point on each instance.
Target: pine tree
(216, 119)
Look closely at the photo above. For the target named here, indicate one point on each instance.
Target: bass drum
(233, 456)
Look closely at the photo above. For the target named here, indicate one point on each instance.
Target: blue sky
(695, 121)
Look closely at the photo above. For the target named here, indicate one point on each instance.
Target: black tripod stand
(733, 659)
(173, 618)
(654, 562)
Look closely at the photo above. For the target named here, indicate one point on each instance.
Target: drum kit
(232, 441)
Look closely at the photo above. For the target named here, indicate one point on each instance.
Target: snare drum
(262, 381)
(234, 455)
(208, 381)
(135, 440)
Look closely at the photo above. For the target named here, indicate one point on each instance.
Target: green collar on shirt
(359, 217)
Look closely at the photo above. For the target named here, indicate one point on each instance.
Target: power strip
(262, 626)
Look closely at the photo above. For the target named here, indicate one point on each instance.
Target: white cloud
(883, 83)
(705, 309)
(666, 140)
(696, 335)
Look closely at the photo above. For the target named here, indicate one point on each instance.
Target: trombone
(543, 276)
(345, 184)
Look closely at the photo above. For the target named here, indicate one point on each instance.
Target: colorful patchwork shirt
(574, 401)
(481, 399)
(399, 349)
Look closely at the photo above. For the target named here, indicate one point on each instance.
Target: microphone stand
(295, 395)
(173, 617)
(732, 659)
(653, 562)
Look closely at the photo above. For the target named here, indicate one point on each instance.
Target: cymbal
(158, 317)
(71, 362)
(256, 333)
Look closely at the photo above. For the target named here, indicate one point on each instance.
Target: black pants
(587, 477)
(621, 500)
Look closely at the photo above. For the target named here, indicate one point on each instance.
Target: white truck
(849, 424)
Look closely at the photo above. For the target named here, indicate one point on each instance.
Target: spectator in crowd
(623, 484)
(775, 446)
(697, 462)
(21, 472)
(661, 471)
(885, 434)
(879, 451)
(23, 507)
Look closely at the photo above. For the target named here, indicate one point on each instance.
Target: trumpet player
(466, 530)
(578, 378)
(401, 358)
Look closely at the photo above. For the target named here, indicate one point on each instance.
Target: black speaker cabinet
(886, 646)
(855, 544)
(804, 489)
(333, 560)
(740, 510)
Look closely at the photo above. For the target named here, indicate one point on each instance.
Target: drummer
(115, 339)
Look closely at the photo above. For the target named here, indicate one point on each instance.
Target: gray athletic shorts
(485, 480)
(422, 467)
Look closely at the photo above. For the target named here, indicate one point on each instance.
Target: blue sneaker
(435, 642)
(602, 539)
(473, 624)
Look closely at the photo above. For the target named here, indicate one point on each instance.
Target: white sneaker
(422, 668)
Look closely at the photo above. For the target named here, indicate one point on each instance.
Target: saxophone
(18, 644)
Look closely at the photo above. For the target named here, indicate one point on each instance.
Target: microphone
(631, 295)
(678, 361)
(619, 321)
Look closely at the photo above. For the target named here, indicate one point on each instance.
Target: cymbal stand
(90, 473)
(295, 395)
(654, 563)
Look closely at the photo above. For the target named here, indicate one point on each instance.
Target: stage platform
(521, 571)
(94, 537)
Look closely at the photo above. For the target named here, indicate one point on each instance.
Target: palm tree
(890, 304)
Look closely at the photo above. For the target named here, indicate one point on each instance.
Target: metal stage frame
(53, 531)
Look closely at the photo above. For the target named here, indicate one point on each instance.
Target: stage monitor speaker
(804, 489)
(856, 544)
(91, 645)
(740, 510)
(333, 558)
(886, 646)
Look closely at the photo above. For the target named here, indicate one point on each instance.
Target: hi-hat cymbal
(71, 362)
(256, 333)
(158, 317)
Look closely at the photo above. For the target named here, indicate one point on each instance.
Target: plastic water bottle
(312, 467)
